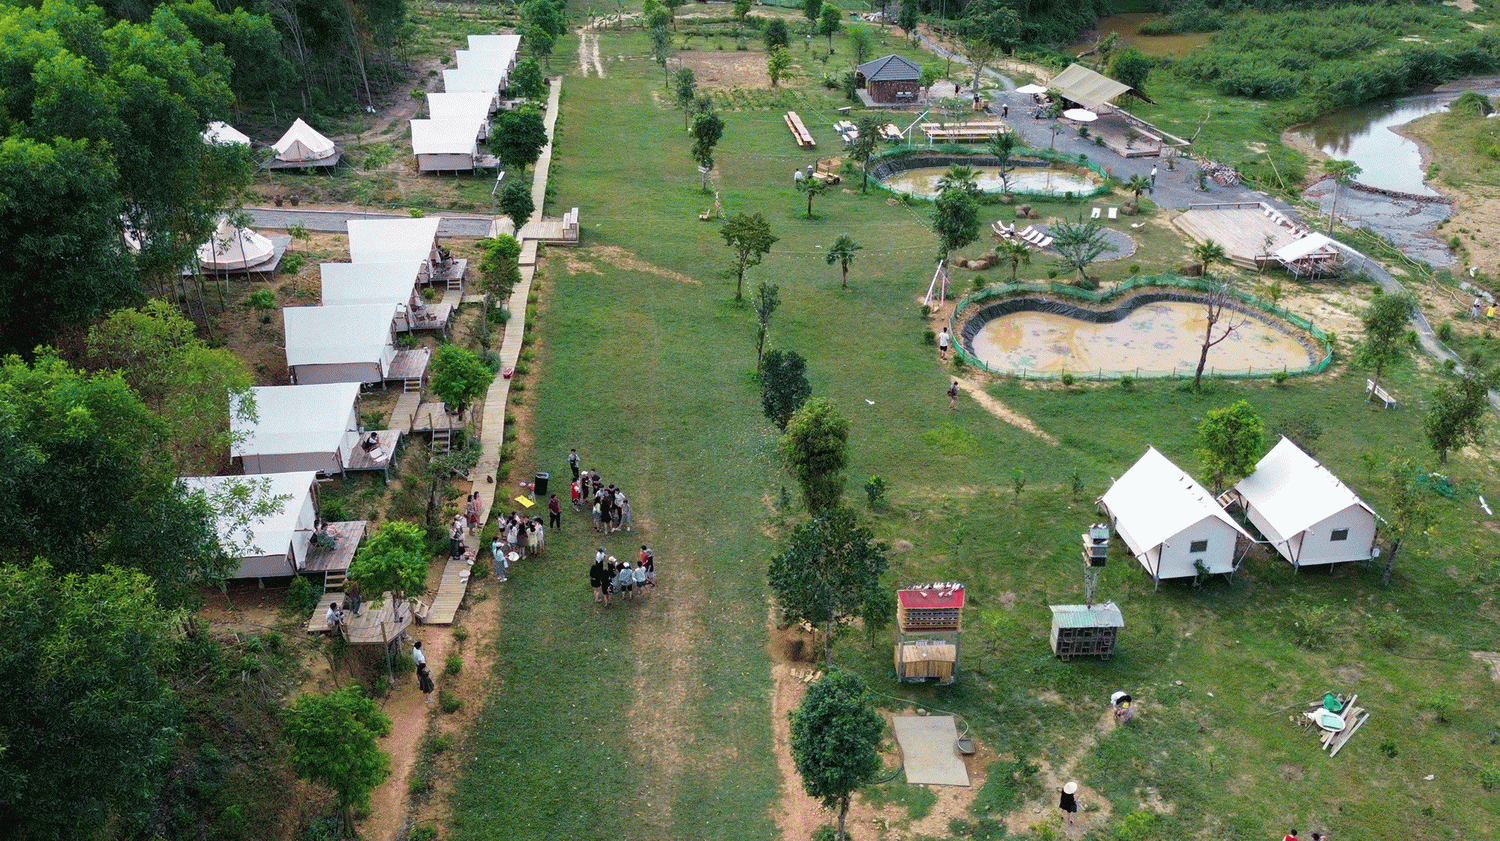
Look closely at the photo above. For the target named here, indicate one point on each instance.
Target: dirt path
(975, 389)
(588, 54)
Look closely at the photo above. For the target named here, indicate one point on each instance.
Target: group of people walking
(611, 577)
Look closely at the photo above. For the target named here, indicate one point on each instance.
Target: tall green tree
(1078, 245)
(811, 9)
(1343, 174)
(1457, 414)
(1230, 441)
(750, 238)
(778, 65)
(907, 18)
(861, 44)
(835, 741)
(527, 79)
(812, 187)
(863, 147)
(987, 28)
(842, 252)
(815, 448)
(1410, 514)
(783, 386)
(515, 202)
(955, 220)
(393, 560)
(829, 576)
(776, 35)
(1014, 252)
(459, 377)
(333, 743)
(767, 299)
(518, 139)
(707, 131)
(90, 719)
(1386, 322)
(830, 21)
(1138, 184)
(685, 87)
(1219, 313)
(1131, 67)
(1003, 146)
(500, 267)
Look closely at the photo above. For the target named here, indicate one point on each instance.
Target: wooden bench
(963, 132)
(570, 225)
(1381, 394)
(799, 131)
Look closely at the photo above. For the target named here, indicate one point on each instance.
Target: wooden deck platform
(337, 559)
(430, 417)
(554, 230)
(429, 317)
(375, 625)
(1248, 235)
(452, 269)
(450, 594)
(409, 365)
(380, 457)
(976, 132)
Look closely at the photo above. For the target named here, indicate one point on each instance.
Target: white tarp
(454, 136)
(1162, 513)
(303, 144)
(393, 240)
(345, 284)
(1086, 87)
(234, 249)
(278, 541)
(222, 132)
(1307, 513)
(318, 421)
(1307, 246)
(354, 334)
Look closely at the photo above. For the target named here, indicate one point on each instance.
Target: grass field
(650, 720)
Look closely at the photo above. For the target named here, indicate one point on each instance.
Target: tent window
(1339, 534)
(1198, 546)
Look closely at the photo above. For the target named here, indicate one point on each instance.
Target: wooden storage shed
(929, 626)
(890, 79)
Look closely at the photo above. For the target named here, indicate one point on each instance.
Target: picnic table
(975, 132)
(799, 131)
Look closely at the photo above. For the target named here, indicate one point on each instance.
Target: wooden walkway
(374, 624)
(405, 410)
(450, 595)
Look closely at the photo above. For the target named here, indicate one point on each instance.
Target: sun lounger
(1095, 214)
(1114, 213)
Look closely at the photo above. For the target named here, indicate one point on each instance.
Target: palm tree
(1138, 184)
(842, 252)
(959, 178)
(1002, 145)
(1207, 253)
(1343, 173)
(1016, 253)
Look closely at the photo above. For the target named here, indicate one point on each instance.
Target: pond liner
(989, 312)
(894, 166)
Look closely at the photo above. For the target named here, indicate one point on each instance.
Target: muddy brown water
(922, 181)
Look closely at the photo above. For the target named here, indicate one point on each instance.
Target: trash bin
(539, 484)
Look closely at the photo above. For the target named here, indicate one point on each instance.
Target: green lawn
(650, 720)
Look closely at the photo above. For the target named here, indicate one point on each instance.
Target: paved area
(337, 221)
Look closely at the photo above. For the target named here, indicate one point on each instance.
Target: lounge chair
(1095, 214)
(1114, 213)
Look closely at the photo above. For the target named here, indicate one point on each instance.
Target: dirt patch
(1000, 410)
(717, 71)
(1491, 659)
(1464, 6)
(582, 260)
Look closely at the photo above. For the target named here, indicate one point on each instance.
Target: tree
(907, 17)
(861, 44)
(1216, 306)
(527, 79)
(1016, 253)
(778, 63)
(195, 388)
(812, 187)
(1131, 67)
(863, 148)
(959, 177)
(500, 267)
(707, 131)
(1078, 245)
(661, 45)
(1230, 441)
(1410, 515)
(1385, 321)
(835, 741)
(518, 139)
(1457, 415)
(459, 377)
(1003, 146)
(830, 21)
(333, 743)
(955, 220)
(89, 719)
(842, 252)
(685, 86)
(815, 448)
(750, 237)
(1138, 184)
(829, 576)
(776, 35)
(515, 202)
(811, 9)
(393, 560)
(672, 6)
(540, 41)
(1343, 174)
(987, 27)
(767, 299)
(783, 386)
(741, 9)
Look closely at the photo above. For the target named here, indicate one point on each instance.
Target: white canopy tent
(302, 144)
(348, 344)
(346, 284)
(479, 79)
(1086, 87)
(461, 105)
(222, 132)
(1313, 254)
(298, 428)
(446, 145)
(1170, 522)
(395, 241)
(1304, 511)
(277, 543)
(233, 249)
(499, 43)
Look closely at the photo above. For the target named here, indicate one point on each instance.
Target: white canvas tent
(302, 144)
(222, 132)
(478, 79)
(395, 241)
(446, 145)
(346, 284)
(502, 43)
(1086, 87)
(1313, 254)
(348, 344)
(1170, 522)
(276, 544)
(1304, 511)
(461, 105)
(233, 249)
(298, 428)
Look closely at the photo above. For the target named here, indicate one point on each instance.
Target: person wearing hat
(1120, 703)
(1068, 801)
(597, 579)
(625, 581)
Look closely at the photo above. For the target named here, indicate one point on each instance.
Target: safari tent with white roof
(347, 284)
(1170, 522)
(233, 249)
(276, 544)
(467, 105)
(1304, 511)
(499, 43)
(348, 344)
(219, 131)
(474, 79)
(447, 145)
(302, 145)
(395, 240)
(298, 428)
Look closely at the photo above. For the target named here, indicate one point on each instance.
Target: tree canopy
(815, 449)
(333, 743)
(829, 575)
(1230, 442)
(518, 139)
(835, 741)
(750, 238)
(1456, 416)
(458, 376)
(515, 201)
(394, 559)
(1385, 321)
(783, 386)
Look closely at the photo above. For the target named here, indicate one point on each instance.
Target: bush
(1445, 331)
(929, 336)
(303, 596)
(1279, 377)
(1389, 631)
(453, 665)
(261, 299)
(1127, 382)
(1312, 625)
(1489, 778)
(449, 702)
(1068, 380)
(291, 263)
(1135, 268)
(461, 634)
(875, 490)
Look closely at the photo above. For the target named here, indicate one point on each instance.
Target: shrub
(1135, 268)
(929, 336)
(453, 665)
(449, 702)
(461, 634)
(1445, 331)
(1312, 625)
(1127, 382)
(1489, 778)
(422, 832)
(875, 490)
(1068, 380)
(1389, 631)
(1279, 377)
(303, 596)
(291, 264)
(261, 299)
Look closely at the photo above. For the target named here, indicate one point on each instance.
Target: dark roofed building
(890, 79)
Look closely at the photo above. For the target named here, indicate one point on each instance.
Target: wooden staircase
(442, 440)
(411, 384)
